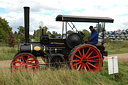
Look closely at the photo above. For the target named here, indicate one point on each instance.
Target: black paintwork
(70, 18)
(26, 24)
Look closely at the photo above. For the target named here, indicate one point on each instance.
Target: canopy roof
(70, 18)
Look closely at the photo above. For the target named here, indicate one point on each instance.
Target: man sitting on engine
(93, 39)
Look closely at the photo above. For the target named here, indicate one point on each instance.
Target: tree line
(6, 34)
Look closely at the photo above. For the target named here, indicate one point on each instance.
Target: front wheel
(85, 57)
(25, 61)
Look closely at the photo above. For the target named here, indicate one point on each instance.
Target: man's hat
(90, 27)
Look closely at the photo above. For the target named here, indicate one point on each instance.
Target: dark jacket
(94, 37)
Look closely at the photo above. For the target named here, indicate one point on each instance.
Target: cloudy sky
(46, 11)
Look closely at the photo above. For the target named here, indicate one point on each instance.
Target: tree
(2, 35)
(49, 33)
(37, 34)
(11, 41)
(4, 30)
(70, 32)
(15, 34)
(54, 33)
(21, 34)
(99, 28)
(87, 34)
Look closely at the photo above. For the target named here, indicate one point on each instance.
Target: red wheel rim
(86, 57)
(25, 62)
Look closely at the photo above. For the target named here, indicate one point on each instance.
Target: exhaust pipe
(26, 24)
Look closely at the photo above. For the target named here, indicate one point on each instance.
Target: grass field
(65, 77)
(7, 53)
(117, 47)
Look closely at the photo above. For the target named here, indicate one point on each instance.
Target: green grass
(117, 47)
(7, 53)
(65, 77)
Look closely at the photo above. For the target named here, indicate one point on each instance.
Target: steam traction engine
(71, 49)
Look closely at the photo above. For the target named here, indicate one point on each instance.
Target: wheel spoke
(78, 67)
(92, 61)
(85, 68)
(89, 54)
(82, 67)
(79, 52)
(16, 66)
(78, 56)
(92, 65)
(92, 57)
(88, 67)
(83, 51)
(27, 59)
(75, 60)
(31, 62)
(76, 64)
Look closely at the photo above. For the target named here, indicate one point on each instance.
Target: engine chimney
(26, 24)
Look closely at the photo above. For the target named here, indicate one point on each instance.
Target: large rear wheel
(25, 61)
(85, 57)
